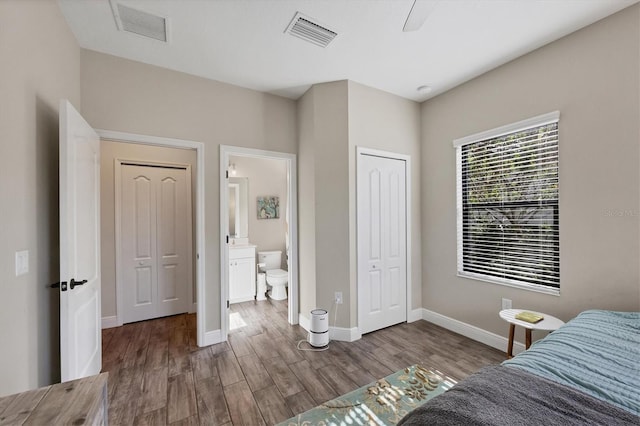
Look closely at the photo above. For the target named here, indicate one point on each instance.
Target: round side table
(549, 323)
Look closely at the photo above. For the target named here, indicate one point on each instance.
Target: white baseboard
(344, 334)
(110, 322)
(414, 315)
(304, 321)
(471, 331)
(467, 330)
(212, 337)
(335, 333)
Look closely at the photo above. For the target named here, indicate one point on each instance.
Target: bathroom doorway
(258, 214)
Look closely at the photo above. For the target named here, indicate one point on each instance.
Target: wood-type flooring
(158, 375)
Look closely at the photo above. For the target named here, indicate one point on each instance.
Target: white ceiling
(242, 42)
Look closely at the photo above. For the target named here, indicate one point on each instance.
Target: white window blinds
(508, 223)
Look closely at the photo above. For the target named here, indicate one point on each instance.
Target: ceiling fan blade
(418, 14)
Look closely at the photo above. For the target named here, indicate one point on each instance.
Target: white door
(382, 251)
(80, 317)
(155, 241)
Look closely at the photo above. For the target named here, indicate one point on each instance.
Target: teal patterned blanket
(598, 353)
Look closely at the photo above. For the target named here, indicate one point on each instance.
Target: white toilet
(277, 278)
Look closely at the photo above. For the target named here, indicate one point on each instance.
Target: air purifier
(319, 329)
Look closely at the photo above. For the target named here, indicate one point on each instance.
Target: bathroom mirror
(239, 207)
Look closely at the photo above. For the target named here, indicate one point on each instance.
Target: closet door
(154, 238)
(173, 228)
(382, 240)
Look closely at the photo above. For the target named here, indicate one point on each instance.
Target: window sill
(528, 287)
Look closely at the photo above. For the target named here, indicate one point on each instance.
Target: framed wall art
(268, 207)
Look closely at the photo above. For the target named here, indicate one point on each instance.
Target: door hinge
(227, 304)
(227, 239)
(227, 174)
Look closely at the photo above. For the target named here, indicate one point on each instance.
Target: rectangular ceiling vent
(307, 29)
(139, 22)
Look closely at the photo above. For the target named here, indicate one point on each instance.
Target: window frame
(541, 120)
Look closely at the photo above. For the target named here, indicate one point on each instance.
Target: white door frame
(199, 205)
(119, 162)
(225, 152)
(407, 159)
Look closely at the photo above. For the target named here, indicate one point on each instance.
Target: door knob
(62, 285)
(74, 283)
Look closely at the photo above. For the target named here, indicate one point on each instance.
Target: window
(507, 189)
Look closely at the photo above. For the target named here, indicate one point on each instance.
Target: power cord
(310, 349)
(313, 349)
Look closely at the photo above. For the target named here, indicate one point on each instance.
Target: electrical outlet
(338, 298)
(506, 303)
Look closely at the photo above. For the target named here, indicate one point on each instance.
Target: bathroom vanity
(242, 273)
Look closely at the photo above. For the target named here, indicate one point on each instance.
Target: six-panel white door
(155, 241)
(382, 251)
(80, 318)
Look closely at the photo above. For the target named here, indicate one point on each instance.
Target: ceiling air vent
(307, 29)
(139, 22)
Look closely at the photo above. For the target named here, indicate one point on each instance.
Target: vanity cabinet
(242, 274)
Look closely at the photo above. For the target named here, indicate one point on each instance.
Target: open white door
(80, 317)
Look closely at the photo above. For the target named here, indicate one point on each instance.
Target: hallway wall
(127, 96)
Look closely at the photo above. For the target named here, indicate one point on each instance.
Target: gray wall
(127, 96)
(109, 152)
(333, 119)
(592, 78)
(306, 202)
(323, 197)
(266, 178)
(40, 66)
(383, 121)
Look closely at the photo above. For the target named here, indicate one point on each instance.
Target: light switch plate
(22, 262)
